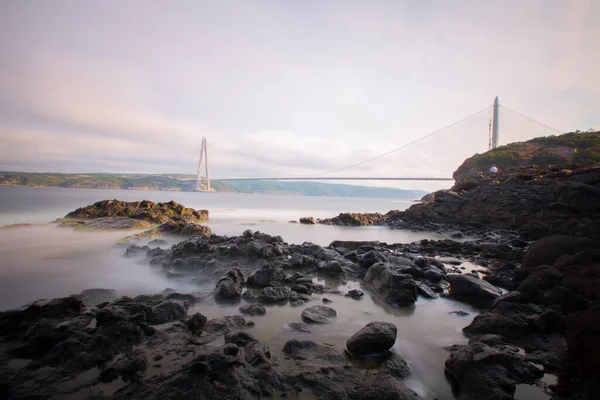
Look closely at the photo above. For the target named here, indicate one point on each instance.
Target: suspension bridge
(432, 157)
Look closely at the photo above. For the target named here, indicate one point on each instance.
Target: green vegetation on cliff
(582, 148)
(187, 183)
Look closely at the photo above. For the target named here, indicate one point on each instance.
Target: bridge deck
(313, 178)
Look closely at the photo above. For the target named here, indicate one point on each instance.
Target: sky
(279, 88)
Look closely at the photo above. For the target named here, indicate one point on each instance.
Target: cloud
(283, 88)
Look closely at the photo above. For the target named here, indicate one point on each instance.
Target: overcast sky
(278, 87)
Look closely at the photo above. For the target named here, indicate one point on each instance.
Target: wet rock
(109, 223)
(14, 321)
(355, 294)
(450, 260)
(514, 320)
(308, 221)
(326, 369)
(249, 296)
(300, 289)
(582, 332)
(267, 275)
(569, 300)
(548, 249)
(333, 268)
(157, 243)
(188, 299)
(299, 326)
(229, 287)
(391, 284)
(482, 371)
(298, 299)
(434, 275)
(460, 313)
(92, 297)
(221, 326)
(375, 337)
(372, 257)
(240, 338)
(196, 323)
(426, 291)
(271, 295)
(167, 311)
(472, 289)
(184, 227)
(253, 309)
(231, 349)
(326, 301)
(319, 314)
(357, 219)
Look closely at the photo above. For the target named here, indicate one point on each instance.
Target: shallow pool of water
(423, 331)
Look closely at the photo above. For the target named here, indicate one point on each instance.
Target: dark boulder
(167, 311)
(267, 275)
(485, 372)
(300, 289)
(355, 294)
(196, 323)
(253, 309)
(274, 295)
(308, 221)
(582, 333)
(319, 314)
(14, 321)
(240, 338)
(471, 289)
(224, 325)
(372, 257)
(375, 337)
(547, 250)
(299, 326)
(229, 287)
(391, 284)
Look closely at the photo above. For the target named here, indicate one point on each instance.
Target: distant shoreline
(177, 183)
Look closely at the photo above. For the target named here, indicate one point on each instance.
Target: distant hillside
(581, 148)
(323, 189)
(180, 182)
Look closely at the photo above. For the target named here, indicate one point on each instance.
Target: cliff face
(582, 148)
(535, 200)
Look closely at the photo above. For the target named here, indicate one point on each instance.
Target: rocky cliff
(536, 201)
(582, 148)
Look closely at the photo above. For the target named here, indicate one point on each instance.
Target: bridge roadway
(315, 178)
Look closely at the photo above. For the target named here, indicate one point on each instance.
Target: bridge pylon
(495, 125)
(203, 182)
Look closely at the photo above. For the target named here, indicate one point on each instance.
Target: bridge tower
(203, 182)
(495, 127)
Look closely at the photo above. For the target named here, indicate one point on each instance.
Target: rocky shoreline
(533, 201)
(98, 344)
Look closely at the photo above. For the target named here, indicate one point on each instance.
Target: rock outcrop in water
(149, 211)
(175, 219)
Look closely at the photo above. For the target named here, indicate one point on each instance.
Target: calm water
(44, 261)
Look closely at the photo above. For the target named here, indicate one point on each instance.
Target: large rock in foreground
(486, 372)
(375, 337)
